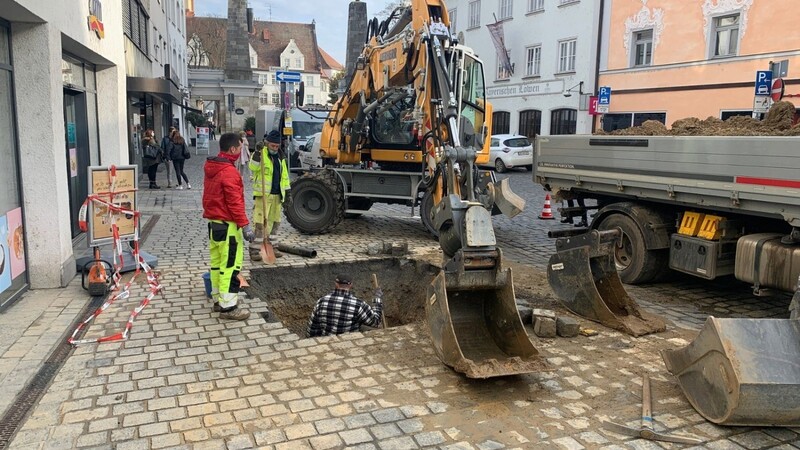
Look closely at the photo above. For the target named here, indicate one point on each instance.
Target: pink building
(667, 59)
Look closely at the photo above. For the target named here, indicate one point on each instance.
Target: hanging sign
(96, 18)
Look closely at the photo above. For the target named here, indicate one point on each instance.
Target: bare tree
(391, 7)
(206, 42)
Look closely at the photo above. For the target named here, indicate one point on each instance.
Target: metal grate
(19, 409)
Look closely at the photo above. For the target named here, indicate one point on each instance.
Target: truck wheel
(360, 203)
(499, 166)
(426, 213)
(317, 204)
(634, 262)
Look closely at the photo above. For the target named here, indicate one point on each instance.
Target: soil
(781, 120)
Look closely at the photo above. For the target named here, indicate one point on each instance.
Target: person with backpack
(179, 153)
(151, 157)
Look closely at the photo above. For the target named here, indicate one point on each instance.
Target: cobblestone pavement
(186, 379)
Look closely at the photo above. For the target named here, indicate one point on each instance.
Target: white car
(510, 150)
(309, 156)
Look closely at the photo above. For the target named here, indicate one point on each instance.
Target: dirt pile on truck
(778, 122)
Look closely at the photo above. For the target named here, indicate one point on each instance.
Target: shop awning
(189, 108)
(163, 89)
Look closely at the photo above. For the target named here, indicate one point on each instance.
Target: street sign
(288, 77)
(604, 96)
(777, 90)
(602, 109)
(763, 82)
(593, 106)
(761, 104)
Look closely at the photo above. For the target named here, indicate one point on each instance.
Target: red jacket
(223, 192)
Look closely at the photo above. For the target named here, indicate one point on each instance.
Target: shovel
(375, 285)
(266, 251)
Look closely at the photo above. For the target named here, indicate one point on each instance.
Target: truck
(708, 206)
(411, 127)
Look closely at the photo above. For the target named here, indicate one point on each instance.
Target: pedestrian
(341, 312)
(228, 227)
(244, 159)
(166, 148)
(151, 157)
(211, 128)
(179, 153)
(270, 181)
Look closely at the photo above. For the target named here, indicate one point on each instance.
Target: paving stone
(400, 443)
(754, 439)
(357, 436)
(325, 442)
(568, 443)
(430, 438)
(544, 327)
(330, 426)
(239, 442)
(269, 437)
(388, 415)
(300, 431)
(567, 327)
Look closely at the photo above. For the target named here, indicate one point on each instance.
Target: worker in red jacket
(223, 206)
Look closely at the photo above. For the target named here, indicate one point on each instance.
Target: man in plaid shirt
(341, 312)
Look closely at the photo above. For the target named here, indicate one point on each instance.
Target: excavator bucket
(742, 371)
(475, 326)
(583, 276)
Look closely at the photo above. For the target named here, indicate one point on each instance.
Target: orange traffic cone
(547, 213)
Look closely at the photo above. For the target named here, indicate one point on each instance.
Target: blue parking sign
(763, 82)
(604, 96)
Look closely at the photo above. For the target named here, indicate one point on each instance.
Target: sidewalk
(186, 379)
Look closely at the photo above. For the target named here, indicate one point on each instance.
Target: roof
(330, 61)
(269, 39)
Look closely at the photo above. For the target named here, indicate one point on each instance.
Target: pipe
(297, 250)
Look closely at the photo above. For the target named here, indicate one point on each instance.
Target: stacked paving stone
(187, 380)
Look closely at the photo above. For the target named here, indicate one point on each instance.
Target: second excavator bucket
(475, 326)
(742, 371)
(583, 276)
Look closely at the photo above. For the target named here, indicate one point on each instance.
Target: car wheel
(499, 165)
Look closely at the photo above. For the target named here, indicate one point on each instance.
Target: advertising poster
(5, 263)
(73, 162)
(16, 242)
(99, 219)
(202, 139)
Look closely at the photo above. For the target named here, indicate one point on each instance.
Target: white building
(62, 109)
(552, 45)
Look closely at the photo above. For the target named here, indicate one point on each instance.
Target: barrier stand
(106, 199)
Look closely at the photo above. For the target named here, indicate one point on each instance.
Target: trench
(291, 292)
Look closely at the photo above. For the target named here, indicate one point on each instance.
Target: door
(77, 138)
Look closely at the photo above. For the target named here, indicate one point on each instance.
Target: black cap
(344, 279)
(274, 137)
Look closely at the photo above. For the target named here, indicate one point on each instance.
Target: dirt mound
(778, 122)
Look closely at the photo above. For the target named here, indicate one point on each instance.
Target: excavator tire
(426, 213)
(317, 204)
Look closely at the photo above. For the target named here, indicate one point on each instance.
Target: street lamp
(567, 93)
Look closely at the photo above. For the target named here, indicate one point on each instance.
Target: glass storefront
(13, 265)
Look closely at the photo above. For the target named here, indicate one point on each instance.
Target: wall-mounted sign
(525, 89)
(96, 18)
(239, 111)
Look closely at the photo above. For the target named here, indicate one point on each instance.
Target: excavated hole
(292, 292)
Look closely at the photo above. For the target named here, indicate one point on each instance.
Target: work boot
(216, 307)
(235, 314)
(255, 256)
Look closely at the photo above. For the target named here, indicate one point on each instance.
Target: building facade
(666, 60)
(552, 45)
(62, 109)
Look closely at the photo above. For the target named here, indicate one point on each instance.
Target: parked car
(309, 153)
(510, 150)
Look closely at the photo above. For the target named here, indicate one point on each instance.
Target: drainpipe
(597, 59)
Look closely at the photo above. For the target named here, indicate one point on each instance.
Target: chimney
(265, 35)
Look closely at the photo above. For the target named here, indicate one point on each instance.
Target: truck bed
(752, 175)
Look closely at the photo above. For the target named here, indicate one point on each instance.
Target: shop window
(725, 115)
(563, 121)
(501, 122)
(617, 121)
(640, 118)
(530, 123)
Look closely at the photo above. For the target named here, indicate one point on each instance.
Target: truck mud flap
(583, 276)
(476, 329)
(742, 371)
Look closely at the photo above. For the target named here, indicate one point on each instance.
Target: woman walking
(151, 157)
(179, 153)
(244, 157)
(166, 143)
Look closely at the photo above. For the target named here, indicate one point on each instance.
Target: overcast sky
(330, 17)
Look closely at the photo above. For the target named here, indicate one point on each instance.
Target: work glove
(378, 293)
(287, 196)
(248, 233)
(257, 155)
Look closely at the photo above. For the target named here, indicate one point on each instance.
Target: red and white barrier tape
(141, 266)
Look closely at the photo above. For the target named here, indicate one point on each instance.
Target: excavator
(410, 128)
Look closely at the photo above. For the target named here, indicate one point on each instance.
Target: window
(725, 115)
(310, 80)
(309, 99)
(613, 122)
(135, 25)
(726, 35)
(475, 14)
(535, 5)
(566, 55)
(530, 123)
(643, 48)
(505, 9)
(262, 98)
(533, 61)
(640, 118)
(452, 14)
(563, 121)
(272, 79)
(502, 71)
(323, 86)
(276, 98)
(298, 62)
(286, 62)
(501, 122)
